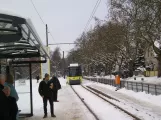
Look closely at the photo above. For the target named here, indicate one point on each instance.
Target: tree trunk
(88, 70)
(106, 69)
(159, 65)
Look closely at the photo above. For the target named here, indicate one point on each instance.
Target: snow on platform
(146, 104)
(69, 107)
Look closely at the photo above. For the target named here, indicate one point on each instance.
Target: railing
(130, 85)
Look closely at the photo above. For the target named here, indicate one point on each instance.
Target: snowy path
(147, 110)
(69, 107)
(102, 109)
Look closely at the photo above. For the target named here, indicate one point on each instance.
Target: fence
(130, 85)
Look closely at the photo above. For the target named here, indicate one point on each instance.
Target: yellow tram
(74, 74)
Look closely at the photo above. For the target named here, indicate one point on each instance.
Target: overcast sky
(66, 18)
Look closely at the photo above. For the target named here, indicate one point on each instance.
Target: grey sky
(66, 18)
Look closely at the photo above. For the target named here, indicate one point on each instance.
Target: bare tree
(143, 19)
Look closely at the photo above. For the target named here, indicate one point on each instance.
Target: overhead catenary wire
(37, 12)
(41, 18)
(92, 14)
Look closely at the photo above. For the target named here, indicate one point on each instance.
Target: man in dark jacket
(46, 93)
(4, 103)
(56, 87)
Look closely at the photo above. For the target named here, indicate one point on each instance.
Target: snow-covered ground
(153, 99)
(149, 106)
(102, 109)
(69, 107)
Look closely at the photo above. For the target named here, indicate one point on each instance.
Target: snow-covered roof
(19, 38)
(141, 69)
(11, 13)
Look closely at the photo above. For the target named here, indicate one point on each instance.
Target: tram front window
(74, 72)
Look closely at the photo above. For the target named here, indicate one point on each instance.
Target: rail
(98, 93)
(92, 112)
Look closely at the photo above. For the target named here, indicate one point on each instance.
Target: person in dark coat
(13, 93)
(37, 77)
(4, 103)
(46, 94)
(56, 87)
(13, 108)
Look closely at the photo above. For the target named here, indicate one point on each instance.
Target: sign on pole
(45, 67)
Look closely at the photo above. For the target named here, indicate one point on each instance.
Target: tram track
(103, 97)
(96, 92)
(100, 93)
(92, 112)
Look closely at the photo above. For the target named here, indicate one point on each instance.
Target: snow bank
(110, 77)
(153, 99)
(150, 80)
(107, 77)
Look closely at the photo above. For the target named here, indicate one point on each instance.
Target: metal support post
(47, 42)
(31, 99)
(64, 64)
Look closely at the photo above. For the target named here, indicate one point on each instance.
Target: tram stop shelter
(18, 41)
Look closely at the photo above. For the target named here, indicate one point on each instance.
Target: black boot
(45, 116)
(52, 115)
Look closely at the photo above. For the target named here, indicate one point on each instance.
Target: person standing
(13, 108)
(13, 93)
(56, 87)
(117, 82)
(37, 77)
(4, 103)
(46, 94)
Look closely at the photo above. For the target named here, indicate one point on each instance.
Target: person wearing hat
(46, 94)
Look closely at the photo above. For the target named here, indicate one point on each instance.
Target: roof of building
(18, 38)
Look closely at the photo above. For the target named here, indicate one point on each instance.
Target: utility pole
(47, 43)
(64, 64)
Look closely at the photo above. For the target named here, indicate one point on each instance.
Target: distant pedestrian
(56, 86)
(37, 77)
(46, 94)
(117, 82)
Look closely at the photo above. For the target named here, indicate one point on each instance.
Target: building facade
(150, 59)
